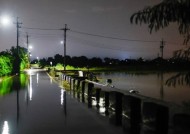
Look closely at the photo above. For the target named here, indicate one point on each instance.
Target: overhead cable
(109, 37)
(95, 35)
(48, 29)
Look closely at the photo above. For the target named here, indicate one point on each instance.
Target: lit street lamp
(30, 47)
(5, 20)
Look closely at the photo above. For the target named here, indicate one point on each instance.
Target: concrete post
(98, 90)
(70, 83)
(90, 86)
(131, 114)
(74, 87)
(78, 89)
(73, 84)
(64, 77)
(83, 90)
(159, 114)
(162, 119)
(107, 103)
(116, 104)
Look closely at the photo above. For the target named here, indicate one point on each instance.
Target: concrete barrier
(134, 112)
(115, 108)
(132, 118)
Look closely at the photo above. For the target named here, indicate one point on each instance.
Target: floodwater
(149, 84)
(34, 104)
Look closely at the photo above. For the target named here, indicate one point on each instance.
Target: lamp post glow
(37, 61)
(5, 20)
(30, 47)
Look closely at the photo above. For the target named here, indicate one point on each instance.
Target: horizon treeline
(84, 62)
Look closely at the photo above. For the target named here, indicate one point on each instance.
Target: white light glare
(30, 47)
(5, 128)
(61, 42)
(5, 20)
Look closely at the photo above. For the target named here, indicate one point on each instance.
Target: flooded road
(150, 84)
(37, 105)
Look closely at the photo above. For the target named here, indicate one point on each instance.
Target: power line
(90, 34)
(95, 35)
(47, 29)
(109, 37)
(33, 33)
(98, 45)
(39, 35)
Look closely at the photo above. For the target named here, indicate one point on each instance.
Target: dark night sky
(110, 18)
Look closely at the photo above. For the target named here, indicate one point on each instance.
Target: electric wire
(110, 37)
(89, 34)
(45, 29)
(89, 43)
(94, 35)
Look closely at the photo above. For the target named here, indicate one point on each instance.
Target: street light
(30, 47)
(37, 58)
(5, 20)
(37, 61)
(61, 42)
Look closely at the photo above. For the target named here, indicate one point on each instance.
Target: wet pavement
(45, 108)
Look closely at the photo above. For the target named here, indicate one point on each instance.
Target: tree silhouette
(58, 58)
(160, 16)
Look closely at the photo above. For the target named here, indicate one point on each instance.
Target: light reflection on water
(37, 78)
(30, 88)
(23, 97)
(62, 96)
(5, 129)
(102, 108)
(46, 96)
(152, 85)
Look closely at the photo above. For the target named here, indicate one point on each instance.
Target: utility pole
(162, 43)
(17, 66)
(28, 52)
(27, 42)
(65, 36)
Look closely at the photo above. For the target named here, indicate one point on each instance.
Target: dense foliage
(6, 66)
(9, 84)
(10, 61)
